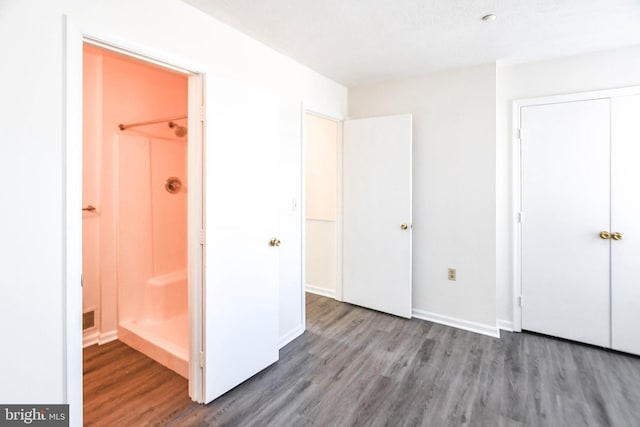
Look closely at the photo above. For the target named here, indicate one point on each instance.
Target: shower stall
(152, 243)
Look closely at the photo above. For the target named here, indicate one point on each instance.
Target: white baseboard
(290, 336)
(478, 328)
(108, 336)
(90, 338)
(505, 325)
(330, 293)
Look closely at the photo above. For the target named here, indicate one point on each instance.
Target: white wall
(603, 70)
(33, 364)
(454, 117)
(320, 204)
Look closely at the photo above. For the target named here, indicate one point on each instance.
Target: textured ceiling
(360, 41)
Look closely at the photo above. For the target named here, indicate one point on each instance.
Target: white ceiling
(360, 41)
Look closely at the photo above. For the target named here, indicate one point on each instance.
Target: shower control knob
(173, 185)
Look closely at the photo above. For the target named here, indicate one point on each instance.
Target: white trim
(303, 217)
(96, 337)
(339, 210)
(91, 338)
(72, 217)
(478, 328)
(290, 336)
(324, 292)
(107, 337)
(517, 175)
(505, 325)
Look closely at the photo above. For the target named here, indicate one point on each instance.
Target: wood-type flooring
(358, 367)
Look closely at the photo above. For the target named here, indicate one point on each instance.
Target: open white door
(377, 213)
(241, 268)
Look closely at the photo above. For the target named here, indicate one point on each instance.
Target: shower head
(180, 131)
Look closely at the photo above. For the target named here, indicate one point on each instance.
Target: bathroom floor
(123, 387)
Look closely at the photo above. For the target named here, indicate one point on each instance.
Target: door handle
(274, 242)
(404, 226)
(616, 236)
(605, 235)
(89, 208)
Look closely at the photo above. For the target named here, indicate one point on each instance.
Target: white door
(377, 214)
(565, 203)
(241, 268)
(625, 211)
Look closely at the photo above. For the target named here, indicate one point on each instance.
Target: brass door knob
(605, 235)
(616, 236)
(274, 242)
(404, 226)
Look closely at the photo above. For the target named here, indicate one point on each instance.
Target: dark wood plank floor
(357, 367)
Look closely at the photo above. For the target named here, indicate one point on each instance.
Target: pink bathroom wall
(92, 131)
(134, 91)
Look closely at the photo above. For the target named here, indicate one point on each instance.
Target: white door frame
(75, 35)
(303, 201)
(518, 215)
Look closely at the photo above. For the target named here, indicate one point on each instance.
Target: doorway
(142, 208)
(322, 205)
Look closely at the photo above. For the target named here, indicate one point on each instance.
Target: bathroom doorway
(136, 226)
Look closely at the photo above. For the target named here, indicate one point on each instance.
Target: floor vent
(88, 319)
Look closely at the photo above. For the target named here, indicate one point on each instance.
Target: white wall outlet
(451, 274)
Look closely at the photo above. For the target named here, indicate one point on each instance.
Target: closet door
(565, 203)
(625, 210)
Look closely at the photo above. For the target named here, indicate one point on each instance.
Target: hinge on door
(202, 113)
(520, 216)
(201, 357)
(520, 134)
(202, 237)
(520, 300)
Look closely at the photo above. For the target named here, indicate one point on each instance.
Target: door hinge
(201, 357)
(202, 237)
(202, 113)
(520, 216)
(520, 300)
(520, 134)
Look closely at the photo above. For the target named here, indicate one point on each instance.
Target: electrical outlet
(451, 274)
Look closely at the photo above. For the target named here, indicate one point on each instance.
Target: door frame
(303, 200)
(517, 213)
(75, 34)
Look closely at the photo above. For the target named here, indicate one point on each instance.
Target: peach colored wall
(134, 244)
(92, 130)
(321, 143)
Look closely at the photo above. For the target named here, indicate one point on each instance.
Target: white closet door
(565, 202)
(377, 202)
(625, 209)
(241, 268)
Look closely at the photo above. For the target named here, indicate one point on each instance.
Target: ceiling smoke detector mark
(489, 17)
